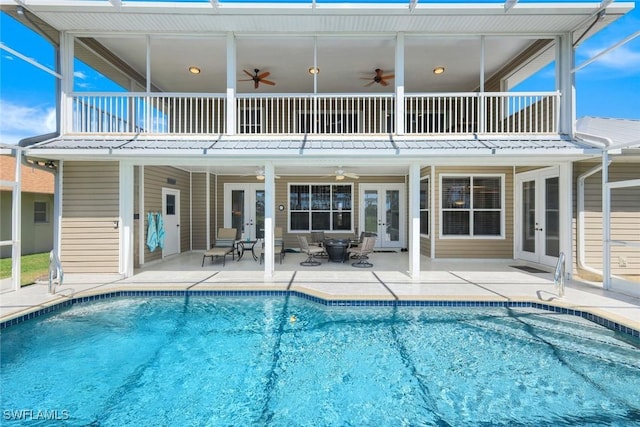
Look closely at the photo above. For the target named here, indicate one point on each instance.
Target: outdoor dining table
(337, 249)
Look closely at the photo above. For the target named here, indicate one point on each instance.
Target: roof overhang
(303, 155)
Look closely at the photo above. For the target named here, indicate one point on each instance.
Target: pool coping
(593, 315)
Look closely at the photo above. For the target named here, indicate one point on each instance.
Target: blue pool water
(284, 361)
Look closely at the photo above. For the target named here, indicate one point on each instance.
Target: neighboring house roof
(619, 131)
(33, 180)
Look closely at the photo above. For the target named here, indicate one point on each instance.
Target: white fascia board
(322, 8)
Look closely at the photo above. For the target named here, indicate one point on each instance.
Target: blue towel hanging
(152, 233)
(160, 231)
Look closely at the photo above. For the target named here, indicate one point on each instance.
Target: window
(424, 206)
(472, 206)
(40, 212)
(320, 207)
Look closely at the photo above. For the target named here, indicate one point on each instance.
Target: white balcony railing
(339, 114)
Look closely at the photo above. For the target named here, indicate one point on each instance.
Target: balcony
(425, 114)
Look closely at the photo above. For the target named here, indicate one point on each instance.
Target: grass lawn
(32, 266)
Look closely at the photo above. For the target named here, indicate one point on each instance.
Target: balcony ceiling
(351, 42)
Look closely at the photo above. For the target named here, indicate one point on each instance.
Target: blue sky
(609, 87)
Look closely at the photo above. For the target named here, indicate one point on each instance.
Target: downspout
(603, 143)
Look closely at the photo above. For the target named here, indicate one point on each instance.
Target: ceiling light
(314, 70)
(339, 177)
(260, 174)
(438, 70)
(194, 70)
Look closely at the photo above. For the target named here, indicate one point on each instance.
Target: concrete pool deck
(450, 280)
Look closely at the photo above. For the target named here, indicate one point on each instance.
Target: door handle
(177, 225)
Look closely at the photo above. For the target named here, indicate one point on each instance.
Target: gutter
(603, 143)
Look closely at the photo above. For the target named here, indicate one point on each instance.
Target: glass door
(538, 222)
(382, 212)
(244, 210)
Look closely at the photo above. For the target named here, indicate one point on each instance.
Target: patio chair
(311, 252)
(359, 244)
(361, 253)
(317, 239)
(223, 246)
(278, 245)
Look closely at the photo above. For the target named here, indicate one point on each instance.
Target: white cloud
(22, 121)
(622, 59)
(80, 75)
(8, 57)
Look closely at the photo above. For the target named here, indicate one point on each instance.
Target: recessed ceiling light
(194, 70)
(314, 70)
(438, 70)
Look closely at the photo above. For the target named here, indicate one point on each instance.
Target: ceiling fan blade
(351, 175)
(245, 80)
(268, 82)
(248, 74)
(384, 83)
(263, 75)
(370, 83)
(388, 76)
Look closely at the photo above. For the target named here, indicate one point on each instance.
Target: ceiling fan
(258, 78)
(340, 174)
(260, 174)
(379, 78)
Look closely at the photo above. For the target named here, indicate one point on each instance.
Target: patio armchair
(310, 250)
(362, 252)
(317, 239)
(223, 246)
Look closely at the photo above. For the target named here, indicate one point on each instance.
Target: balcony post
(66, 83)
(231, 84)
(565, 83)
(399, 79)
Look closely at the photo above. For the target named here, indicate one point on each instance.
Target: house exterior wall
(90, 242)
(282, 195)
(499, 248)
(155, 179)
(37, 237)
(625, 223)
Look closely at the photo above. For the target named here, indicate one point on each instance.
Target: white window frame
(470, 236)
(426, 179)
(331, 211)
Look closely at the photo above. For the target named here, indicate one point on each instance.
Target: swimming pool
(286, 361)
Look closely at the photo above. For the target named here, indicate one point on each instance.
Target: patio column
(269, 220)
(414, 220)
(125, 221)
(565, 83)
(566, 215)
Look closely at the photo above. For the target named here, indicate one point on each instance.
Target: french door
(538, 216)
(382, 212)
(171, 219)
(244, 210)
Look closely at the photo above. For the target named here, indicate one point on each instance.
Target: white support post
(565, 83)
(57, 208)
(141, 216)
(432, 212)
(399, 79)
(66, 83)
(16, 223)
(566, 215)
(231, 84)
(125, 220)
(414, 220)
(606, 223)
(207, 210)
(269, 217)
